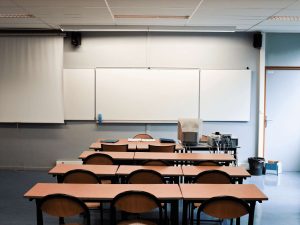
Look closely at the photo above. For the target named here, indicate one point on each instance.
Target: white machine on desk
(189, 131)
(222, 141)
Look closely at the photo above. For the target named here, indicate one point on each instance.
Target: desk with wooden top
(200, 192)
(106, 192)
(237, 172)
(135, 146)
(100, 170)
(183, 157)
(202, 146)
(117, 156)
(166, 171)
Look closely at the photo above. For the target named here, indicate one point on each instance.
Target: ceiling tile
(153, 11)
(11, 10)
(153, 3)
(150, 22)
(7, 3)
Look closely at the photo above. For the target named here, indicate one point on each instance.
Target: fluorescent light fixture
(284, 18)
(13, 16)
(88, 28)
(192, 28)
(150, 17)
(82, 28)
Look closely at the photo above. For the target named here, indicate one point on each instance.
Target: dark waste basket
(256, 165)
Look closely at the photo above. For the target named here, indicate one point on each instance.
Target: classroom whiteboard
(147, 95)
(79, 94)
(225, 95)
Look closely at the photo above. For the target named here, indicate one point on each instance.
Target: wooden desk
(119, 156)
(238, 172)
(185, 157)
(135, 146)
(106, 192)
(132, 146)
(205, 147)
(200, 192)
(100, 170)
(166, 171)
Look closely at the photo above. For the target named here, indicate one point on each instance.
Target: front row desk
(168, 193)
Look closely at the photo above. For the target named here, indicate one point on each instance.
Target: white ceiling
(244, 15)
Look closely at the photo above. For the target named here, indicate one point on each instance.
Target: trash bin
(256, 165)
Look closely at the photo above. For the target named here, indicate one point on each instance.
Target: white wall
(187, 50)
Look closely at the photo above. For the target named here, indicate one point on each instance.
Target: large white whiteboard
(225, 95)
(79, 94)
(147, 95)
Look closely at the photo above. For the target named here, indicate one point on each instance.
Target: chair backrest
(143, 136)
(162, 148)
(114, 148)
(61, 205)
(145, 177)
(79, 176)
(213, 177)
(208, 163)
(224, 207)
(136, 202)
(156, 162)
(98, 159)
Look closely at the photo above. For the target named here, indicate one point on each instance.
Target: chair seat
(136, 222)
(105, 181)
(93, 205)
(197, 205)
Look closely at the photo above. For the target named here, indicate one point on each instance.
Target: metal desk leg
(185, 212)
(39, 216)
(174, 212)
(251, 215)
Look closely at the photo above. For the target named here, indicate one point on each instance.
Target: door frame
(265, 97)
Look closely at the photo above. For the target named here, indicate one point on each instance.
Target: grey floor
(283, 207)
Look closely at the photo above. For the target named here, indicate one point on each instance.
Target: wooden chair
(136, 202)
(114, 148)
(156, 162)
(161, 148)
(213, 177)
(224, 207)
(143, 136)
(98, 159)
(210, 177)
(79, 176)
(62, 206)
(209, 163)
(143, 176)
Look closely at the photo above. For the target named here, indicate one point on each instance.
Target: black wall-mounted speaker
(257, 40)
(76, 38)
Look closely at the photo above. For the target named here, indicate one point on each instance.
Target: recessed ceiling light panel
(22, 16)
(284, 18)
(150, 17)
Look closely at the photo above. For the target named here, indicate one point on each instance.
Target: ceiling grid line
(110, 11)
(193, 13)
(251, 28)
